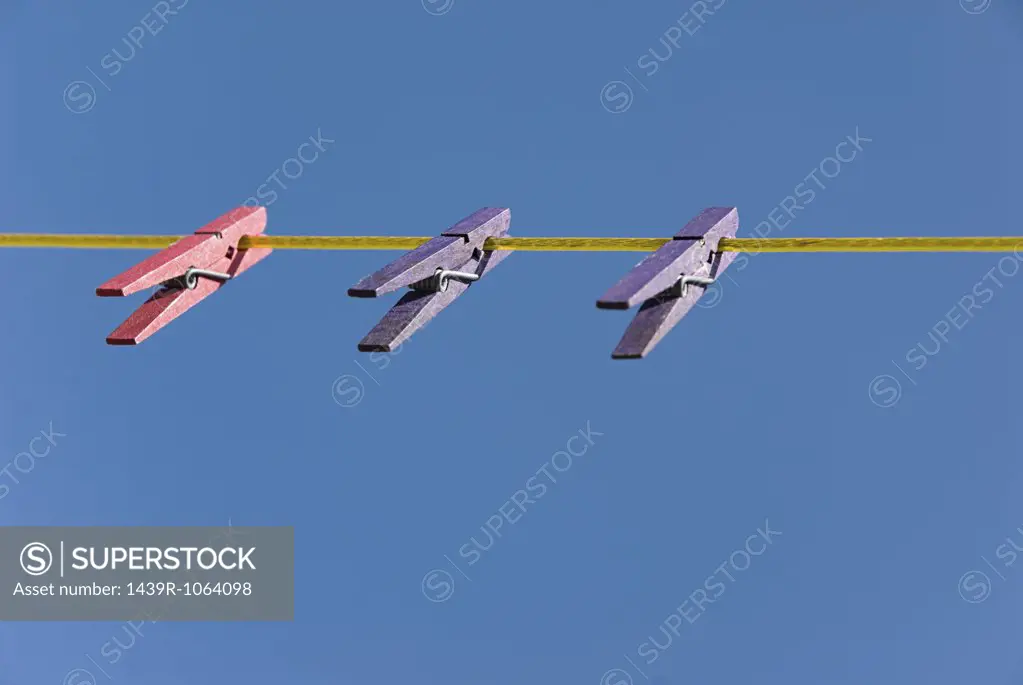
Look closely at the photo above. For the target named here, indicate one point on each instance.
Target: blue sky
(797, 402)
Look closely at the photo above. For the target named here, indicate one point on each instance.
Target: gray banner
(160, 574)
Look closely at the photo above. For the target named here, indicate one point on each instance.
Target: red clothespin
(189, 271)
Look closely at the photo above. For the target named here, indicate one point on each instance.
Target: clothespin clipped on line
(671, 280)
(187, 273)
(437, 272)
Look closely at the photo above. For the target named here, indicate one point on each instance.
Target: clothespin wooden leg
(415, 309)
(658, 315)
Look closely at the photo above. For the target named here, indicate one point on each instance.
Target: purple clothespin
(671, 280)
(437, 271)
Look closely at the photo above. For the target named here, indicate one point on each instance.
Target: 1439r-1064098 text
(197, 589)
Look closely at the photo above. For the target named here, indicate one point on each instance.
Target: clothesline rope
(754, 245)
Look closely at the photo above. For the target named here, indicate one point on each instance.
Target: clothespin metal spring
(190, 279)
(438, 282)
(684, 281)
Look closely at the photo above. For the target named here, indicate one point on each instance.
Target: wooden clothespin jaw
(671, 280)
(188, 272)
(437, 272)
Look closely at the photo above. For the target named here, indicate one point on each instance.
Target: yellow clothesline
(281, 242)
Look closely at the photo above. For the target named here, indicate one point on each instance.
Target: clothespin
(437, 272)
(671, 280)
(188, 272)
